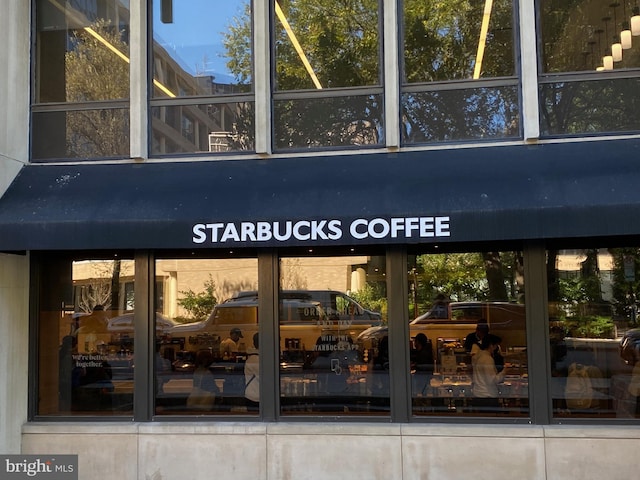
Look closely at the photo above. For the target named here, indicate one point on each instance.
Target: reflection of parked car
(506, 320)
(630, 341)
(302, 320)
(124, 323)
(336, 305)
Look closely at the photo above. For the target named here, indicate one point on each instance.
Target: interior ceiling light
(482, 42)
(607, 60)
(616, 51)
(296, 45)
(616, 46)
(625, 36)
(635, 21)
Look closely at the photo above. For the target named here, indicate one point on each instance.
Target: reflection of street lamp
(166, 11)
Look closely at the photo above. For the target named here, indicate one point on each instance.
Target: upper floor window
(459, 76)
(597, 43)
(82, 57)
(329, 54)
(202, 49)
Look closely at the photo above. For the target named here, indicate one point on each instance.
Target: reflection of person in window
(205, 389)
(634, 384)
(68, 374)
(422, 363)
(163, 368)
(252, 376)
(440, 307)
(485, 375)
(422, 356)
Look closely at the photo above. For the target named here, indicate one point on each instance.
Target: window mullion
(262, 75)
(391, 74)
(529, 70)
(138, 88)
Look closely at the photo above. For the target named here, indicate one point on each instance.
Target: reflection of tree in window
(494, 276)
(94, 72)
(441, 40)
(341, 43)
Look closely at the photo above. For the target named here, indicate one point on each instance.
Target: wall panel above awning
(574, 189)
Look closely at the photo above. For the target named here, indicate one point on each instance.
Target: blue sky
(194, 38)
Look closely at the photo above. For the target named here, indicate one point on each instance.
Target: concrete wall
(14, 102)
(296, 451)
(14, 348)
(14, 148)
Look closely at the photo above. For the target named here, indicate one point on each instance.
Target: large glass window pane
(210, 127)
(201, 47)
(468, 337)
(465, 114)
(326, 44)
(578, 35)
(593, 314)
(79, 134)
(331, 361)
(85, 336)
(329, 122)
(207, 340)
(457, 40)
(590, 107)
(82, 50)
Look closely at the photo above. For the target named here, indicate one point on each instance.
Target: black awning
(461, 194)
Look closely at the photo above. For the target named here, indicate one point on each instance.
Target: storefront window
(468, 336)
(86, 337)
(203, 49)
(593, 316)
(330, 362)
(207, 342)
(467, 43)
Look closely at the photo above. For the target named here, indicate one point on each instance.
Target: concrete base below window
(283, 451)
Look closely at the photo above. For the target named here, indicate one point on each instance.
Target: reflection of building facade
(327, 220)
(191, 128)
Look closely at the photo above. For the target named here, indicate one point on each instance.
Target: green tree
(341, 41)
(372, 297)
(199, 305)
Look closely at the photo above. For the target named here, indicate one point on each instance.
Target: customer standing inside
(485, 375)
(229, 345)
(252, 376)
(473, 341)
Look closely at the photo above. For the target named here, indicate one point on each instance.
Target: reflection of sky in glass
(194, 39)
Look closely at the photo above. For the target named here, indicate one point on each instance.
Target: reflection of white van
(303, 319)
